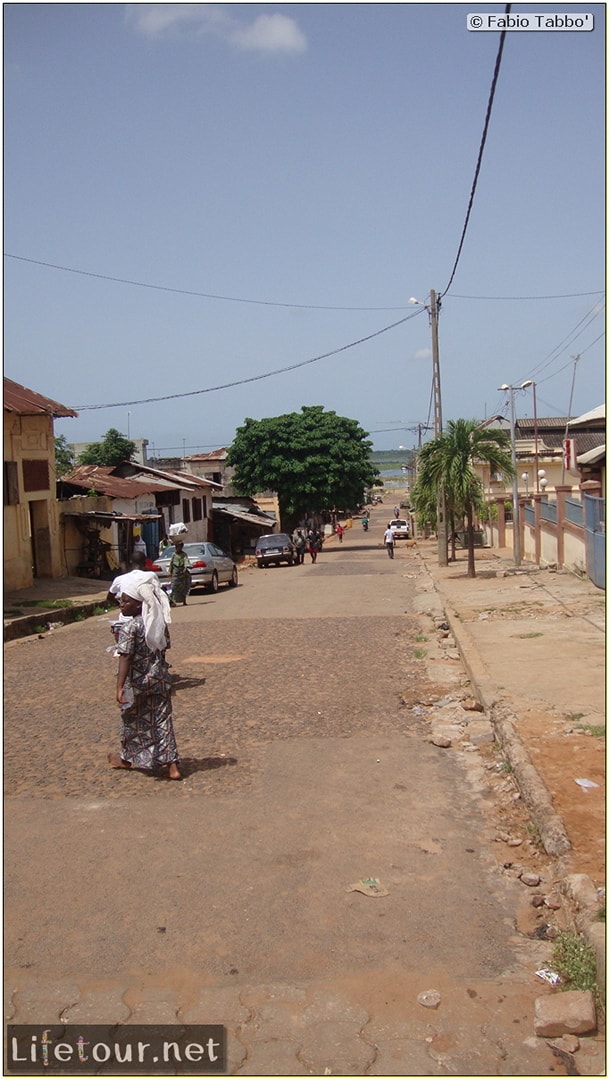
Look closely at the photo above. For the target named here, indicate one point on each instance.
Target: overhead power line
(193, 292)
(555, 296)
(481, 148)
(252, 378)
(270, 303)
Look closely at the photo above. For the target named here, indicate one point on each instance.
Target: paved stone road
(224, 899)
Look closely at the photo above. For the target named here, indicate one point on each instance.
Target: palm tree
(448, 462)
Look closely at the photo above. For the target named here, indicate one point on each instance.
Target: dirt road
(225, 898)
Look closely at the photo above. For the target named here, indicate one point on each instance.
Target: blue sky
(308, 168)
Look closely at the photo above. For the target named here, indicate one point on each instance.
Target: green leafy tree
(314, 460)
(112, 450)
(449, 461)
(64, 456)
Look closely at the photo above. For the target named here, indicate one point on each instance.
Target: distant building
(139, 456)
(211, 466)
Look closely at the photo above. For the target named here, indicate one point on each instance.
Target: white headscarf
(155, 609)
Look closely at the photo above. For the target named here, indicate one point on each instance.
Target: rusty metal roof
(173, 477)
(18, 399)
(108, 516)
(100, 478)
(214, 455)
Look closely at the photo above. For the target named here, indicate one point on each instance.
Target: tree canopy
(64, 456)
(448, 462)
(112, 450)
(314, 460)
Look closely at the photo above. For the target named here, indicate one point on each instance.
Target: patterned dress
(147, 731)
(180, 577)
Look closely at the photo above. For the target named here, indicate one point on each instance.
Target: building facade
(32, 541)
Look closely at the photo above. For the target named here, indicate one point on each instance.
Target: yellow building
(32, 545)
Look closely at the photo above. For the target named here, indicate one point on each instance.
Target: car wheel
(213, 586)
(233, 578)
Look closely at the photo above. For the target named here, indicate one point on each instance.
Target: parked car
(400, 528)
(209, 565)
(275, 548)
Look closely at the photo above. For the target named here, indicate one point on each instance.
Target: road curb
(27, 625)
(531, 786)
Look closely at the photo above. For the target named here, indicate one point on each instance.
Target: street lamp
(513, 453)
(441, 513)
(526, 480)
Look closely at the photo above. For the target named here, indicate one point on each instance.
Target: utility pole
(510, 390)
(513, 455)
(441, 508)
(566, 433)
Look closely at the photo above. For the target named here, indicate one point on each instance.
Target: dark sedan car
(275, 548)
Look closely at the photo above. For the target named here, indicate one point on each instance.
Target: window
(186, 511)
(11, 483)
(197, 512)
(36, 474)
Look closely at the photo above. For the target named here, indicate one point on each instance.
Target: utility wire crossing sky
(284, 172)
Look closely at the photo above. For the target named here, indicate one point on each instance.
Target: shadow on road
(189, 766)
(186, 682)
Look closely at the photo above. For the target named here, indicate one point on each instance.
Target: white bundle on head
(155, 610)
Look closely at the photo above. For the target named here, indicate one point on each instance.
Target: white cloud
(422, 354)
(273, 33)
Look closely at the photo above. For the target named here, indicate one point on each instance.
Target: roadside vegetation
(574, 960)
(446, 467)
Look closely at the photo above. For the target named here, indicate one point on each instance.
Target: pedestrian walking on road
(179, 574)
(340, 532)
(143, 688)
(137, 574)
(300, 544)
(388, 539)
(314, 541)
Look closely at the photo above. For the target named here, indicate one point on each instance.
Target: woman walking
(143, 688)
(179, 574)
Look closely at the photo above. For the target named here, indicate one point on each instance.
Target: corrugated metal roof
(19, 399)
(592, 457)
(543, 423)
(178, 479)
(214, 455)
(107, 516)
(592, 417)
(239, 512)
(100, 478)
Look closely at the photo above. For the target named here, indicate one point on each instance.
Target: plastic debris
(369, 886)
(430, 999)
(551, 977)
(585, 784)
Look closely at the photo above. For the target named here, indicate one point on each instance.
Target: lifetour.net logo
(143, 1050)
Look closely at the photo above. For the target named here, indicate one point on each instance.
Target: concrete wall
(545, 542)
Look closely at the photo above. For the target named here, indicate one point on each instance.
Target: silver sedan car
(209, 566)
